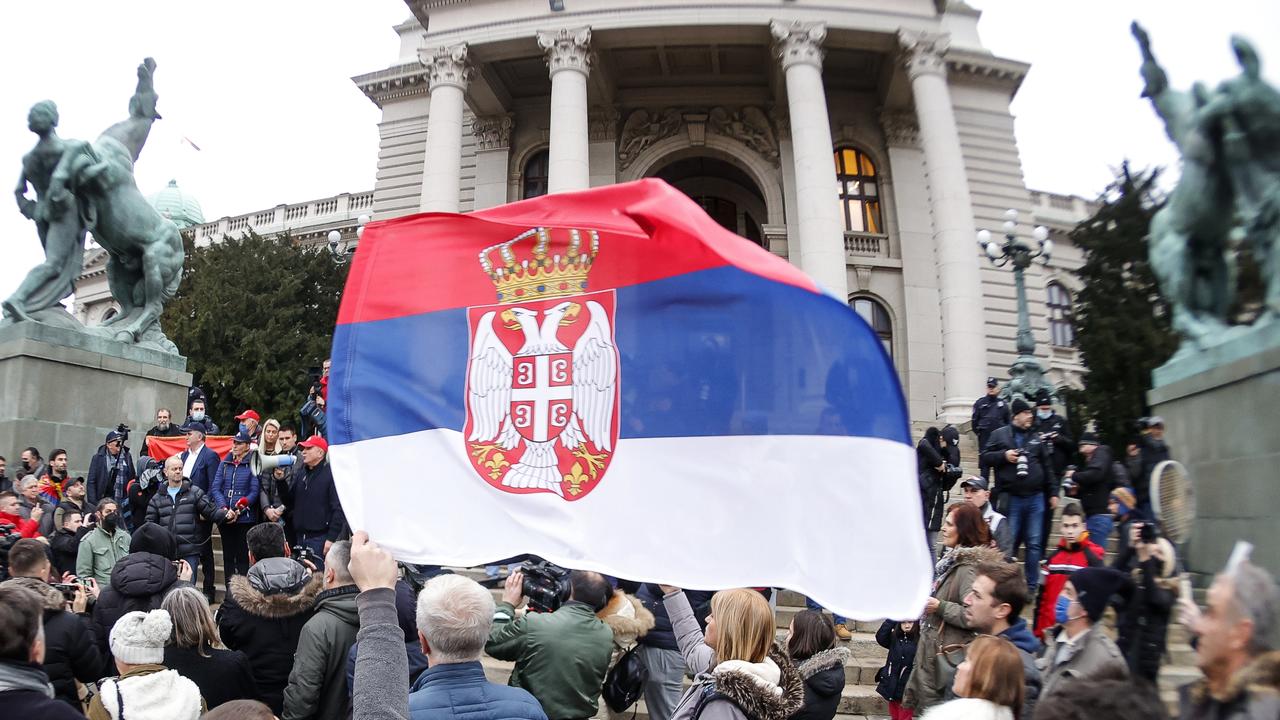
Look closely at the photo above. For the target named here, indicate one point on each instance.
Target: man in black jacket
(1024, 479)
(164, 427)
(24, 684)
(661, 654)
(110, 471)
(1092, 484)
(990, 413)
(1153, 451)
(318, 520)
(179, 507)
(70, 653)
(139, 581)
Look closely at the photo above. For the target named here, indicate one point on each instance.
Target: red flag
(161, 448)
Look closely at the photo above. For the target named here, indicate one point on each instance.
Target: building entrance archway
(723, 190)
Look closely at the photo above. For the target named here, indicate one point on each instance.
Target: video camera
(546, 586)
(302, 554)
(124, 432)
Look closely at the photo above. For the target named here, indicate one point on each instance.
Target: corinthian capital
(798, 43)
(567, 49)
(922, 52)
(492, 132)
(447, 66)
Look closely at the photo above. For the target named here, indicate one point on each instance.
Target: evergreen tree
(253, 315)
(1121, 321)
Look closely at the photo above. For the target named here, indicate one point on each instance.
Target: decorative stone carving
(798, 42)
(567, 49)
(695, 123)
(602, 124)
(748, 125)
(492, 132)
(900, 129)
(781, 117)
(923, 52)
(447, 66)
(642, 130)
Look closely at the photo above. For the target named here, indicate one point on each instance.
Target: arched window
(1061, 332)
(878, 318)
(859, 191)
(534, 176)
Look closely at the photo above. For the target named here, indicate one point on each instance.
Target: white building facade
(757, 110)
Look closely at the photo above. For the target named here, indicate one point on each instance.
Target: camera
(546, 585)
(1149, 533)
(124, 432)
(952, 472)
(302, 553)
(1022, 463)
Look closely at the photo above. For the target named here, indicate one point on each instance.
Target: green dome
(178, 206)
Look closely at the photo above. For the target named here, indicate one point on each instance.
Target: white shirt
(190, 464)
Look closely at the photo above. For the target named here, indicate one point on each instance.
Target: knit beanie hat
(1125, 499)
(1019, 406)
(153, 538)
(1095, 586)
(138, 638)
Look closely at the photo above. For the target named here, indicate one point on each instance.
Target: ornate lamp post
(341, 251)
(1026, 375)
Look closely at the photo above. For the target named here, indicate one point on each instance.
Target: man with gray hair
(454, 617)
(1236, 648)
(318, 682)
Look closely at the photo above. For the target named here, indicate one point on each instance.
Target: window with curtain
(534, 176)
(859, 191)
(878, 318)
(1061, 332)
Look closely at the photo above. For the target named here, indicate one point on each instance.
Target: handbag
(624, 683)
(945, 662)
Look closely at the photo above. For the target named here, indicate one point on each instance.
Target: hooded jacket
(263, 616)
(1068, 558)
(25, 693)
(891, 679)
(1252, 694)
(1143, 624)
(181, 516)
(318, 683)
(147, 692)
(70, 653)
(138, 582)
(823, 676)
(1029, 647)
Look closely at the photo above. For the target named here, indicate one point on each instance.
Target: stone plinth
(63, 389)
(1223, 423)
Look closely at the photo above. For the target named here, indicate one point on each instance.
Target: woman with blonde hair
(740, 673)
(269, 441)
(988, 684)
(196, 651)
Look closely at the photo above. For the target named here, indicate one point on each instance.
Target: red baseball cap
(248, 415)
(315, 441)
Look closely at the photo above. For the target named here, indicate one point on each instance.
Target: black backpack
(624, 683)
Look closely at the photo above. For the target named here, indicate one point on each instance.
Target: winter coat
(1252, 694)
(318, 682)
(99, 553)
(138, 582)
(1029, 647)
(147, 692)
(946, 626)
(662, 636)
(989, 415)
(181, 515)
(459, 690)
(1055, 572)
(316, 508)
(222, 675)
(406, 607)
(206, 467)
(1061, 447)
(969, 709)
(70, 653)
(739, 690)
(561, 657)
(1143, 623)
(44, 526)
(66, 547)
(104, 480)
(1094, 658)
(823, 676)
(25, 693)
(65, 506)
(1040, 479)
(263, 616)
(932, 493)
(1154, 452)
(233, 482)
(1095, 481)
(891, 680)
(26, 528)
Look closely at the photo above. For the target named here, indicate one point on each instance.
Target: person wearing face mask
(1056, 435)
(103, 546)
(32, 464)
(197, 414)
(249, 424)
(1074, 651)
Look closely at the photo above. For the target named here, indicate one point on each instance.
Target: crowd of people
(103, 613)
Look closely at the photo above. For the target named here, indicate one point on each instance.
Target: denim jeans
(840, 619)
(1099, 527)
(1026, 522)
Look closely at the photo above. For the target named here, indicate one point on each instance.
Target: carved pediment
(749, 125)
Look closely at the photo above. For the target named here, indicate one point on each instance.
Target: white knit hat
(138, 638)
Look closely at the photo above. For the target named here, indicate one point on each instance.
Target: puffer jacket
(892, 678)
(70, 654)
(318, 683)
(181, 516)
(263, 616)
(232, 482)
(823, 676)
(138, 582)
(1252, 694)
(1066, 559)
(460, 690)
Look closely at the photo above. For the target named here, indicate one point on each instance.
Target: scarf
(940, 569)
(24, 676)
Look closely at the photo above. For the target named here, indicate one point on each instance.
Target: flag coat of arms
(610, 380)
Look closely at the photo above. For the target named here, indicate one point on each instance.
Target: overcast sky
(263, 89)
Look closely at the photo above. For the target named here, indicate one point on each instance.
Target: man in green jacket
(317, 686)
(103, 546)
(561, 657)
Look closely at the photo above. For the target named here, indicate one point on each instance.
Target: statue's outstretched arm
(143, 103)
(25, 204)
(1157, 80)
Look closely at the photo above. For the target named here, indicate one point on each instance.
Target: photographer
(561, 657)
(935, 480)
(70, 652)
(1151, 562)
(1024, 479)
(111, 469)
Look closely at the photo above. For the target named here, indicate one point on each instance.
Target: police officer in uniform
(990, 413)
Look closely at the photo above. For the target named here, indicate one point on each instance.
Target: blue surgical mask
(244, 428)
(1060, 614)
(1044, 414)
(197, 415)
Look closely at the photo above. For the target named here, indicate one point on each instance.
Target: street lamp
(1026, 375)
(341, 251)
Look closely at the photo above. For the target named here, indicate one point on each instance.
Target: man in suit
(199, 464)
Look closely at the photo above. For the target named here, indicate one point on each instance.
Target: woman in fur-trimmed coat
(810, 642)
(629, 620)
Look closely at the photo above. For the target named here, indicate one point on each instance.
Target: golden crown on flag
(544, 275)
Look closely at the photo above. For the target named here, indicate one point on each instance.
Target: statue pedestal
(1222, 417)
(66, 389)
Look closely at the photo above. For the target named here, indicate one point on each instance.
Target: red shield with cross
(542, 395)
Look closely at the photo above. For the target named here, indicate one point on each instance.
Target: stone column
(798, 46)
(569, 61)
(447, 75)
(493, 152)
(964, 343)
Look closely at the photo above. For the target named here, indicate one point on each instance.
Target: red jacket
(26, 528)
(1057, 570)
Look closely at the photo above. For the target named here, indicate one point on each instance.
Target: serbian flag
(610, 380)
